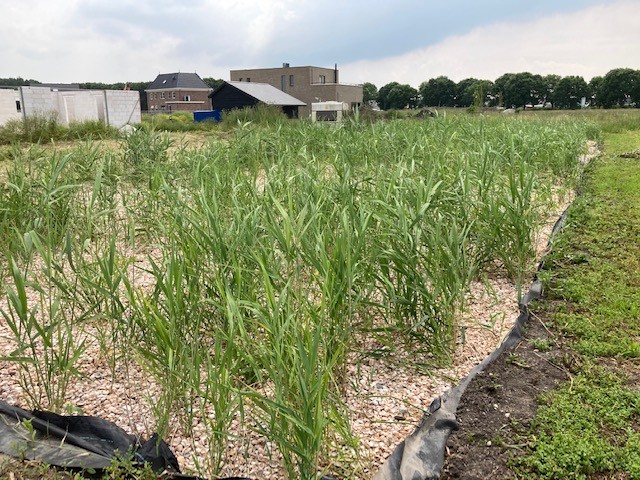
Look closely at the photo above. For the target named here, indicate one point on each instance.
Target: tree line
(620, 87)
(139, 86)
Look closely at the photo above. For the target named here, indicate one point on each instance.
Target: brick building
(171, 92)
(309, 84)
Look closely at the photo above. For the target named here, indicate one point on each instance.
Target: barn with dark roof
(232, 95)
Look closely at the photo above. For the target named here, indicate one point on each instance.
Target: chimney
(335, 73)
(285, 65)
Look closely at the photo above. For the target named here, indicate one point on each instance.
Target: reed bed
(268, 259)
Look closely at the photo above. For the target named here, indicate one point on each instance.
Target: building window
(283, 83)
(187, 98)
(323, 79)
(291, 80)
(240, 79)
(248, 79)
(18, 106)
(162, 95)
(173, 95)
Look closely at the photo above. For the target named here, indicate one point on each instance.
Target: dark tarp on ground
(76, 441)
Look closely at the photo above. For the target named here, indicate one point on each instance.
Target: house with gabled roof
(230, 95)
(180, 91)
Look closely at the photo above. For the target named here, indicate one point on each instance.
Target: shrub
(45, 128)
(177, 122)
(90, 130)
(261, 114)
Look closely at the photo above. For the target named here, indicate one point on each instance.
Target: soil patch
(499, 404)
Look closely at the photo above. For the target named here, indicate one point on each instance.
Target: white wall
(38, 101)
(123, 106)
(114, 107)
(8, 109)
(79, 106)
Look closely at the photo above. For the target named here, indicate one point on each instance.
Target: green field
(241, 273)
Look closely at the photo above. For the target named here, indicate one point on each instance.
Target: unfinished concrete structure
(309, 84)
(113, 107)
(10, 106)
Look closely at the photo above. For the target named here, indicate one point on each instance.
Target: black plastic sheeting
(80, 442)
(421, 455)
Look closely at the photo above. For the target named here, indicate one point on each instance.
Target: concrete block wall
(115, 107)
(123, 106)
(8, 108)
(80, 106)
(39, 101)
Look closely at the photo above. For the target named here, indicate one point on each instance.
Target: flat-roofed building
(309, 84)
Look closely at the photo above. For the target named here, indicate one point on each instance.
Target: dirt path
(499, 404)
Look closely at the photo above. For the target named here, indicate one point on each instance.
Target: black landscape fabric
(76, 441)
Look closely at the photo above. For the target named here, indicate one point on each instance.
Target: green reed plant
(296, 413)
(168, 322)
(278, 249)
(90, 130)
(221, 385)
(46, 128)
(41, 317)
(261, 114)
(101, 280)
(145, 146)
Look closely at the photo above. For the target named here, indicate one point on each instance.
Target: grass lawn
(589, 428)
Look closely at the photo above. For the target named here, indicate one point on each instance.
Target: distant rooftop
(264, 93)
(57, 86)
(188, 81)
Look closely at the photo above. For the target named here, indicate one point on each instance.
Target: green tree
(402, 96)
(595, 90)
(369, 93)
(569, 91)
(383, 95)
(213, 82)
(438, 92)
(483, 93)
(550, 83)
(499, 87)
(465, 92)
(620, 87)
(17, 82)
(523, 88)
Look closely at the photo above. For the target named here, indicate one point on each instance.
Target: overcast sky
(408, 41)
